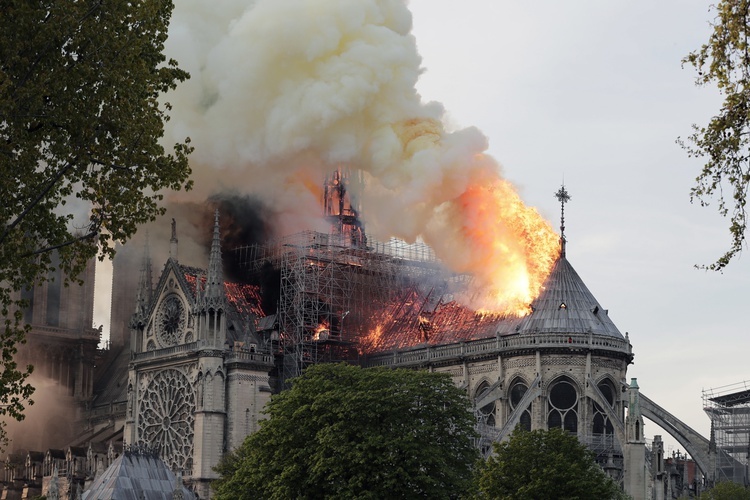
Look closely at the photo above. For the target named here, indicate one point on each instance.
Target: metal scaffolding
(728, 407)
(332, 287)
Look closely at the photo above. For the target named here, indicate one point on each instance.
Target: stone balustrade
(167, 351)
(233, 355)
(66, 333)
(249, 356)
(498, 346)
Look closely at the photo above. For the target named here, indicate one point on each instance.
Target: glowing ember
(322, 331)
(244, 298)
(372, 340)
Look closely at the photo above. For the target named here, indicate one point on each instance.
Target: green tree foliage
(727, 491)
(725, 62)
(342, 431)
(81, 165)
(544, 465)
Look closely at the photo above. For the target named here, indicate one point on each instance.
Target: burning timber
(345, 299)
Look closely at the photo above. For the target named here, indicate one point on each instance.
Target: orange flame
(512, 248)
(322, 331)
(372, 340)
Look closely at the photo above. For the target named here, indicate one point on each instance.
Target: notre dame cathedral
(196, 355)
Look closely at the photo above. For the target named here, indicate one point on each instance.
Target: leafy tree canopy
(725, 62)
(727, 491)
(342, 431)
(544, 465)
(80, 158)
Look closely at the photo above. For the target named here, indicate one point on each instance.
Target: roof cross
(563, 197)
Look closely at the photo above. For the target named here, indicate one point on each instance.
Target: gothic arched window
(517, 390)
(601, 423)
(563, 405)
(487, 412)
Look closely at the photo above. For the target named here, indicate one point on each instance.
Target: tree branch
(62, 245)
(36, 200)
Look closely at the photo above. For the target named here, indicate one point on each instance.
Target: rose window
(170, 321)
(166, 418)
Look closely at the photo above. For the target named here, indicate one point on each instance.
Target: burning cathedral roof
(243, 300)
(564, 306)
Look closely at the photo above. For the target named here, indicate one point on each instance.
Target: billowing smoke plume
(282, 92)
(48, 423)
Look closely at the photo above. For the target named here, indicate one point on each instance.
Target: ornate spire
(143, 295)
(634, 420)
(214, 292)
(173, 241)
(563, 197)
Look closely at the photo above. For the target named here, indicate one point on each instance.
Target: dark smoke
(244, 220)
(270, 288)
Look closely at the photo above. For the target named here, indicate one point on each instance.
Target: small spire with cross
(563, 197)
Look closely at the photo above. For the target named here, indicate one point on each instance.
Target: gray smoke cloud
(49, 422)
(282, 92)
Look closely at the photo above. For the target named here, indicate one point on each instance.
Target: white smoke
(290, 86)
(284, 91)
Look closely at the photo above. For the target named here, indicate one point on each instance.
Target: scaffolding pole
(332, 289)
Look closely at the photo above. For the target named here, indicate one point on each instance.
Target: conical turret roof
(567, 306)
(133, 476)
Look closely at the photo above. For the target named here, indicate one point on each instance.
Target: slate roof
(135, 476)
(111, 385)
(567, 306)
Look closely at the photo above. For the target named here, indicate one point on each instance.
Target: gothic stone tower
(62, 342)
(198, 378)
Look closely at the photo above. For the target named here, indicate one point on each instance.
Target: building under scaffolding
(728, 408)
(334, 291)
(343, 294)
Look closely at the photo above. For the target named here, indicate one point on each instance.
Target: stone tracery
(166, 417)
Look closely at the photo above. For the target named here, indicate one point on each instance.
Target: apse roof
(566, 305)
(133, 476)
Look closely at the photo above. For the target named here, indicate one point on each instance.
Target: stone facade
(196, 380)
